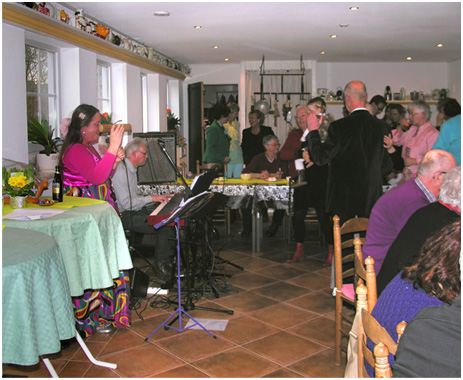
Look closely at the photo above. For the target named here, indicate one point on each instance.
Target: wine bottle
(57, 187)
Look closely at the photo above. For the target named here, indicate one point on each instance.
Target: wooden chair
(365, 274)
(384, 344)
(345, 293)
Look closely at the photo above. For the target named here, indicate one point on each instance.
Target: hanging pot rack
(281, 75)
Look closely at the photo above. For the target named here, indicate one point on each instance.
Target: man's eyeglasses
(144, 153)
(273, 144)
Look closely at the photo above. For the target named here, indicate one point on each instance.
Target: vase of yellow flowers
(18, 184)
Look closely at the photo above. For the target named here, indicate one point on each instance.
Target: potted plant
(173, 122)
(42, 134)
(18, 184)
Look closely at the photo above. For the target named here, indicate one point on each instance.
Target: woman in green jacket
(217, 138)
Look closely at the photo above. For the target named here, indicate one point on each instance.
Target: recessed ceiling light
(322, 52)
(226, 59)
(197, 26)
(343, 25)
(439, 45)
(161, 13)
(409, 58)
(333, 36)
(354, 8)
(215, 47)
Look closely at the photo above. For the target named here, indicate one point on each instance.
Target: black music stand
(190, 208)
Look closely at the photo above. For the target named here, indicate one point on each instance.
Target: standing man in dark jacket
(354, 150)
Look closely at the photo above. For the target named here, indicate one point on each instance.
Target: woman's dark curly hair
(436, 269)
(81, 117)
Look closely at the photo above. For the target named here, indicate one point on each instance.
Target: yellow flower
(18, 181)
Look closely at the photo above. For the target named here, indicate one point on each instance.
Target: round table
(36, 305)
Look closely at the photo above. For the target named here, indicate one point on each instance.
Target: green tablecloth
(36, 303)
(91, 239)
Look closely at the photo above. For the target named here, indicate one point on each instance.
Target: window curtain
(275, 85)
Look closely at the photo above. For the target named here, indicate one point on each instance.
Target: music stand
(184, 212)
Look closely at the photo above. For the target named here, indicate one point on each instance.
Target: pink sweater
(84, 167)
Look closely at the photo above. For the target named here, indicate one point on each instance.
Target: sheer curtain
(275, 84)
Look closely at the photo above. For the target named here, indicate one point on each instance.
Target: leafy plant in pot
(42, 134)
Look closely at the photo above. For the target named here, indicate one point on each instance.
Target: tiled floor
(282, 326)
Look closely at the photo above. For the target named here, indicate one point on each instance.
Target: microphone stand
(188, 192)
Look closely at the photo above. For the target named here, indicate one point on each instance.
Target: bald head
(434, 165)
(355, 94)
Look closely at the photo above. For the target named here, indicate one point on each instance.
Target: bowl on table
(245, 176)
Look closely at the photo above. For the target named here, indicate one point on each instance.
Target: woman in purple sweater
(86, 174)
(432, 280)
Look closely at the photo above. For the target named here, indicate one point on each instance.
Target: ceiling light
(439, 45)
(343, 25)
(409, 58)
(354, 8)
(161, 13)
(226, 59)
(215, 47)
(322, 52)
(197, 26)
(333, 36)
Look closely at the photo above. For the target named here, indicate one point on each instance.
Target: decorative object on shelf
(443, 93)
(403, 93)
(81, 21)
(322, 92)
(388, 93)
(339, 95)
(102, 31)
(63, 16)
(435, 94)
(397, 96)
(18, 184)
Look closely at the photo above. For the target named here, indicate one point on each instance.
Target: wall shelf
(340, 103)
(36, 21)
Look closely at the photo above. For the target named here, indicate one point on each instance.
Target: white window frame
(104, 92)
(144, 99)
(53, 97)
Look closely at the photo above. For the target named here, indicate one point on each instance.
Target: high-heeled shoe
(329, 260)
(298, 255)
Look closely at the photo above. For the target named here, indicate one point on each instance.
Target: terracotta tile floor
(282, 326)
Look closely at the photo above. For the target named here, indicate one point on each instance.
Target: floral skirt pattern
(103, 192)
(110, 305)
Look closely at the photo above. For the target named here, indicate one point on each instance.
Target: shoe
(245, 233)
(272, 230)
(329, 260)
(298, 255)
(163, 270)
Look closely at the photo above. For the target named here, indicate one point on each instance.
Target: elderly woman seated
(263, 166)
(431, 280)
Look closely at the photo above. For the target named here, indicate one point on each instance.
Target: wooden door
(195, 120)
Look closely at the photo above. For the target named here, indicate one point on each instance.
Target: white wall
(14, 132)
(454, 80)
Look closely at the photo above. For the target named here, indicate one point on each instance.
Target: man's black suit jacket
(356, 156)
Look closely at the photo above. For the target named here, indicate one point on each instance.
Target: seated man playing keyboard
(135, 209)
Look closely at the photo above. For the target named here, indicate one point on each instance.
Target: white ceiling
(377, 32)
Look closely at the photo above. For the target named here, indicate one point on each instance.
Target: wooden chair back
(384, 344)
(365, 274)
(343, 239)
(207, 166)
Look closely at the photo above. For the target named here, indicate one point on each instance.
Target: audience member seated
(87, 175)
(377, 103)
(217, 138)
(417, 140)
(263, 166)
(312, 193)
(135, 208)
(421, 225)
(432, 279)
(449, 138)
(251, 143)
(431, 343)
(392, 210)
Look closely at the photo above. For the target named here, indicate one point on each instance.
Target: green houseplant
(42, 134)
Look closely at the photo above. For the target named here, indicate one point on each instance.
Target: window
(104, 87)
(144, 104)
(41, 85)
